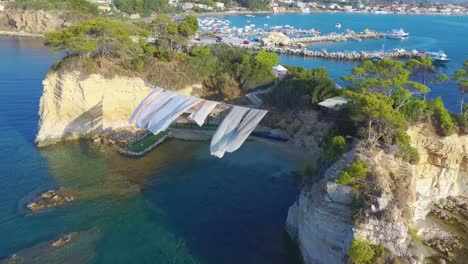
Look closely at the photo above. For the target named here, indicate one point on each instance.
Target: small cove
(175, 205)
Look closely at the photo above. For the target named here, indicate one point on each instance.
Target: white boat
(397, 34)
(338, 25)
(438, 57)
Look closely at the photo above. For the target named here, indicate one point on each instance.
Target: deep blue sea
(176, 205)
(428, 33)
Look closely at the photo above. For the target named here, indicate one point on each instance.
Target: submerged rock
(72, 248)
(65, 239)
(51, 198)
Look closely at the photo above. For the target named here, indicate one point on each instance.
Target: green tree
(422, 69)
(335, 147)
(168, 38)
(189, 26)
(461, 78)
(97, 38)
(361, 252)
(255, 4)
(376, 110)
(299, 84)
(266, 60)
(383, 76)
(143, 7)
(444, 119)
(321, 90)
(354, 172)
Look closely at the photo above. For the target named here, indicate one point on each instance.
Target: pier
(338, 37)
(340, 55)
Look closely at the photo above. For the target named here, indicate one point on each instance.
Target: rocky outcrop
(38, 21)
(73, 107)
(276, 38)
(321, 219)
(442, 170)
(400, 195)
(304, 128)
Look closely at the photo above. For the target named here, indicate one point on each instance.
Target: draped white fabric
(148, 99)
(226, 130)
(247, 126)
(162, 119)
(162, 107)
(200, 114)
(147, 112)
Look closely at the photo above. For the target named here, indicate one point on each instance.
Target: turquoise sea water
(176, 205)
(428, 33)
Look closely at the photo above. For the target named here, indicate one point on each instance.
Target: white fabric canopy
(146, 113)
(148, 99)
(243, 131)
(162, 119)
(200, 114)
(226, 130)
(162, 107)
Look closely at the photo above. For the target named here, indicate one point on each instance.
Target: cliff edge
(38, 21)
(73, 107)
(324, 220)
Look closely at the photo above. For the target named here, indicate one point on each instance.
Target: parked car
(245, 42)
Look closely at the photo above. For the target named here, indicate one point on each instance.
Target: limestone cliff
(322, 222)
(37, 21)
(321, 219)
(74, 107)
(442, 169)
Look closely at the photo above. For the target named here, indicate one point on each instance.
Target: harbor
(296, 41)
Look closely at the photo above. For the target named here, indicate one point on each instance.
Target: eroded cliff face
(73, 107)
(38, 21)
(442, 169)
(324, 226)
(321, 219)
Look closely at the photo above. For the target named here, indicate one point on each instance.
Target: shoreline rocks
(352, 56)
(338, 37)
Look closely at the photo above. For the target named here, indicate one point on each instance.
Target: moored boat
(397, 34)
(438, 57)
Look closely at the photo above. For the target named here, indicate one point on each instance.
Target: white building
(2, 8)
(220, 5)
(104, 8)
(188, 6)
(333, 104)
(279, 71)
(173, 2)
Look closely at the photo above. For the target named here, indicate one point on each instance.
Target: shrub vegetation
(354, 173)
(361, 252)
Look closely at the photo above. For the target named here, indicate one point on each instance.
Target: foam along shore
(20, 34)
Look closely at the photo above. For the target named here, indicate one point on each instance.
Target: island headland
(383, 167)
